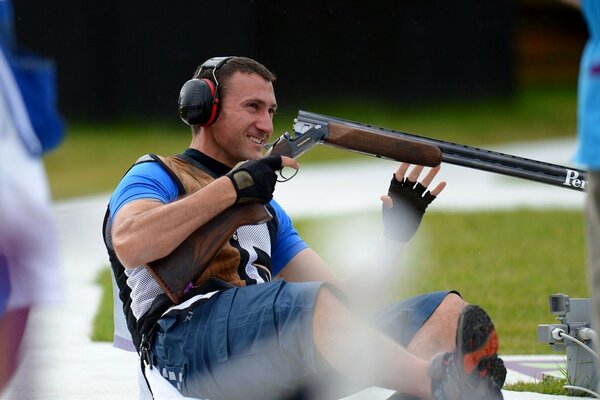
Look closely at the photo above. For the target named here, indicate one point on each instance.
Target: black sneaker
(474, 371)
(494, 368)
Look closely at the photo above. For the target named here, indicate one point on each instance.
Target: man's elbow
(127, 252)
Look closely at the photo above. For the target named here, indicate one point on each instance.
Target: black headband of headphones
(215, 62)
(199, 97)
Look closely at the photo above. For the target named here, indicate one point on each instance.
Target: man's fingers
(387, 201)
(401, 171)
(273, 162)
(289, 162)
(438, 189)
(413, 176)
(430, 175)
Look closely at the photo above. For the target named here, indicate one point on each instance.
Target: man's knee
(447, 313)
(331, 317)
(453, 303)
(327, 307)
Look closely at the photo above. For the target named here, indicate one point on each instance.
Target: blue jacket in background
(588, 100)
(28, 83)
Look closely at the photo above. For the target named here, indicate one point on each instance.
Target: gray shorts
(256, 342)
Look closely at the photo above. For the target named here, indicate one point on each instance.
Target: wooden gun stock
(373, 142)
(178, 270)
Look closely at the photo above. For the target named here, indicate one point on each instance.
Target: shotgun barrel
(471, 157)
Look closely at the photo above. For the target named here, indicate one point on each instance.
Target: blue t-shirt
(149, 180)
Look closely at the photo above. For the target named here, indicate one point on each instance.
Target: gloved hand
(254, 180)
(409, 200)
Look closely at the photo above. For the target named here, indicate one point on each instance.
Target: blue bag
(36, 78)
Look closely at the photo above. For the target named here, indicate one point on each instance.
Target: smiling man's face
(245, 121)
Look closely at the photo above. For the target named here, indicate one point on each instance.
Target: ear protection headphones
(199, 97)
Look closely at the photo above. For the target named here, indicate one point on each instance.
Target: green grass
(93, 157)
(102, 330)
(508, 262)
(547, 385)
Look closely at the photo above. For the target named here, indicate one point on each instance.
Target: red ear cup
(214, 109)
(198, 102)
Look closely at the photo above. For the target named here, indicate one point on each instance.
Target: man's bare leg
(363, 354)
(438, 334)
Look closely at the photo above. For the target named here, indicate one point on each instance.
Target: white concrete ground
(62, 363)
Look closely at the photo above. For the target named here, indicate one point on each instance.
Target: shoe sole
(494, 368)
(477, 345)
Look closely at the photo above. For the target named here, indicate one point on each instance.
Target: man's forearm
(366, 286)
(370, 284)
(145, 231)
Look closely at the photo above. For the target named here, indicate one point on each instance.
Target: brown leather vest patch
(225, 265)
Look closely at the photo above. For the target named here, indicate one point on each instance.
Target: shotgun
(465, 156)
(176, 272)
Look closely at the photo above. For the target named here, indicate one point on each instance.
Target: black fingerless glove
(401, 222)
(254, 180)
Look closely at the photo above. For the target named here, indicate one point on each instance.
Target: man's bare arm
(146, 230)
(364, 288)
(308, 266)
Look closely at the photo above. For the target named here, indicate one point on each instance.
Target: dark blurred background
(120, 59)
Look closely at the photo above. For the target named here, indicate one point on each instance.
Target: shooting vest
(226, 269)
(190, 178)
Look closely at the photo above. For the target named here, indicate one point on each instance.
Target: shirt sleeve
(288, 242)
(147, 180)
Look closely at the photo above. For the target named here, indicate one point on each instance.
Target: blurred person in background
(588, 140)
(588, 132)
(29, 126)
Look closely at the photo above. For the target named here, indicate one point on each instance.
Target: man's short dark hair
(233, 65)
